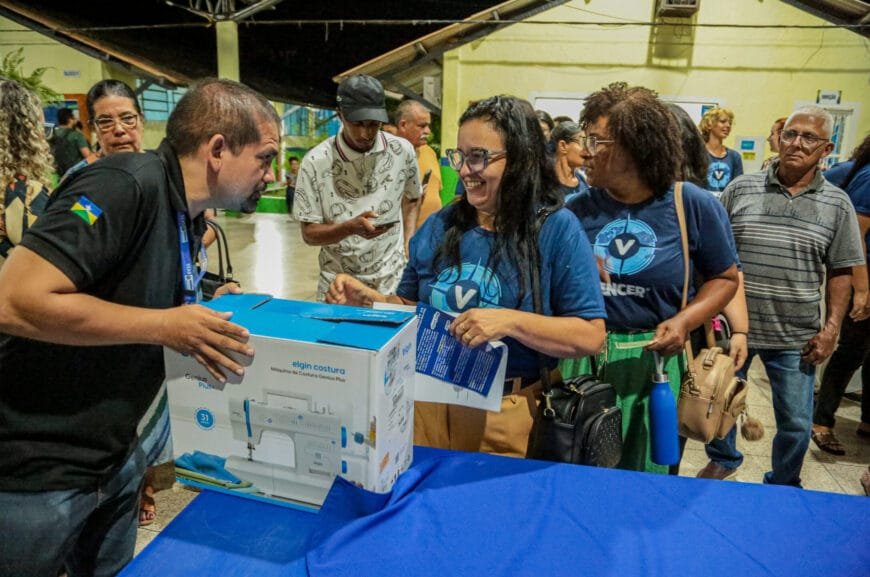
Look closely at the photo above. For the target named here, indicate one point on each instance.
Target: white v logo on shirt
(623, 247)
(463, 299)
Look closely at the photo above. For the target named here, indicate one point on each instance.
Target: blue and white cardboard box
(329, 392)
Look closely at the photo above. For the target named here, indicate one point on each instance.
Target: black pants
(852, 351)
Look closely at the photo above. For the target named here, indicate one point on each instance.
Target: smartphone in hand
(384, 224)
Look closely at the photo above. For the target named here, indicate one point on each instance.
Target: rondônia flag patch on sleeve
(86, 209)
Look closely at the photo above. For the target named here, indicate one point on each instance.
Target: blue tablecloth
(473, 514)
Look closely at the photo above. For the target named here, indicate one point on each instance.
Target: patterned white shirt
(336, 184)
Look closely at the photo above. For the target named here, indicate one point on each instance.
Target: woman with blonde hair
(725, 164)
(25, 163)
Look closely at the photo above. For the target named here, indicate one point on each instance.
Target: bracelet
(744, 333)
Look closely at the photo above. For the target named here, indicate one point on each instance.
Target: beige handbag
(711, 395)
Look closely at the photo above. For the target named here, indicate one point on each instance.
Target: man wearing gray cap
(357, 193)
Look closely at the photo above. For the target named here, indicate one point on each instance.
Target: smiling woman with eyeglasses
(473, 259)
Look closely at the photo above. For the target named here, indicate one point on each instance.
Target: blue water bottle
(663, 417)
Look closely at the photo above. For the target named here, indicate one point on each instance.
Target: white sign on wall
(824, 97)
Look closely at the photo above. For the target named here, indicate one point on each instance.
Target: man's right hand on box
(207, 336)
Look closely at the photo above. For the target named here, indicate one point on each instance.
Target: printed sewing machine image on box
(329, 392)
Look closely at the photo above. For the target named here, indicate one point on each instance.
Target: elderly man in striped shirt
(795, 232)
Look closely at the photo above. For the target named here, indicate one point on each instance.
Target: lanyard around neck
(190, 277)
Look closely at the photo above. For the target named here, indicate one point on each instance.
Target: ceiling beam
(431, 47)
(222, 11)
(253, 9)
(410, 94)
(840, 12)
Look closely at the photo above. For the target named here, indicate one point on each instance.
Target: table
(472, 514)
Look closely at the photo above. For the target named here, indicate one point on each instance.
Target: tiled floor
(268, 255)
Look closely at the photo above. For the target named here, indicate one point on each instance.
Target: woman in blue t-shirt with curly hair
(472, 258)
(632, 153)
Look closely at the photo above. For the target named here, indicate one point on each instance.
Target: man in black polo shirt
(87, 300)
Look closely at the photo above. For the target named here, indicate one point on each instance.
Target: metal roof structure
(289, 51)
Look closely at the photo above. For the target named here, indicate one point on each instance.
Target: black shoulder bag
(212, 281)
(578, 420)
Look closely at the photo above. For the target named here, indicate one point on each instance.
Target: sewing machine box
(329, 392)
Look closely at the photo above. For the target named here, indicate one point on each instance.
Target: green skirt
(629, 367)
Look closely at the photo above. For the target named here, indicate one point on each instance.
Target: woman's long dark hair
(528, 184)
(695, 157)
(545, 118)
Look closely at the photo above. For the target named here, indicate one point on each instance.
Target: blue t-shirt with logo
(641, 248)
(723, 170)
(569, 278)
(572, 191)
(858, 188)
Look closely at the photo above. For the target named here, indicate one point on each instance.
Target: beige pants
(464, 429)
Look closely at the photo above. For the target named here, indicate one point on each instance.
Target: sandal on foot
(147, 507)
(828, 442)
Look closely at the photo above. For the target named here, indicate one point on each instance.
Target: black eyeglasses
(809, 142)
(477, 159)
(591, 143)
(107, 123)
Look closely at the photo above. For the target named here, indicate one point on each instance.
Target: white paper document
(448, 371)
